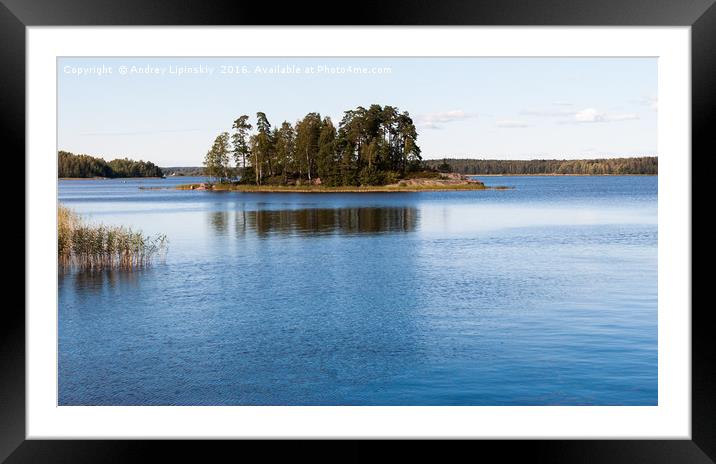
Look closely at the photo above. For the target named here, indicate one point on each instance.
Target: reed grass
(98, 246)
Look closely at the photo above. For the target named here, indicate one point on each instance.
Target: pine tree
(239, 140)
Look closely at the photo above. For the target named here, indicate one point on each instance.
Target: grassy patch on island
(399, 187)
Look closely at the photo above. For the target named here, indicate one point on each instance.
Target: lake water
(541, 295)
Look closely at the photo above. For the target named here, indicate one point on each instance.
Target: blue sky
(505, 108)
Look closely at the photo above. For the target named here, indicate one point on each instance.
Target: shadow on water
(328, 221)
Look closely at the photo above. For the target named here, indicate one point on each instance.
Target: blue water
(541, 295)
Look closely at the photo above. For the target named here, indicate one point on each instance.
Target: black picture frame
(16, 15)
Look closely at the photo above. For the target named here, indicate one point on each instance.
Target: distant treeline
(71, 165)
(194, 171)
(647, 165)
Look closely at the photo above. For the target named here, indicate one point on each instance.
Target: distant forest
(184, 171)
(647, 165)
(608, 166)
(71, 165)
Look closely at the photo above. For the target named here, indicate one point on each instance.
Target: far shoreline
(561, 175)
(108, 178)
(466, 175)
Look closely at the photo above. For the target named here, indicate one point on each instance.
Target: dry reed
(95, 247)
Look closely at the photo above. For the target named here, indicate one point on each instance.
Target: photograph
(357, 230)
(458, 222)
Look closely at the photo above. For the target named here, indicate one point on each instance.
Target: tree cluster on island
(70, 165)
(370, 146)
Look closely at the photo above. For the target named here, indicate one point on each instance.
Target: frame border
(16, 15)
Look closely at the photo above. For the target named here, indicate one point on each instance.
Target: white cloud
(650, 101)
(621, 117)
(551, 112)
(140, 132)
(571, 115)
(588, 115)
(435, 120)
(511, 124)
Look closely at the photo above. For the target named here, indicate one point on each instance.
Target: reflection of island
(319, 221)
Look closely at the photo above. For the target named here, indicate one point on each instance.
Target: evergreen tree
(262, 146)
(221, 151)
(211, 166)
(369, 146)
(239, 140)
(326, 162)
(285, 142)
(308, 131)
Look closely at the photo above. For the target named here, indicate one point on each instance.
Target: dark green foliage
(444, 167)
(193, 171)
(130, 168)
(326, 163)
(71, 165)
(647, 165)
(370, 146)
(248, 176)
(216, 161)
(370, 175)
(274, 180)
(239, 139)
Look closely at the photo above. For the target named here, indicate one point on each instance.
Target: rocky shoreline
(446, 182)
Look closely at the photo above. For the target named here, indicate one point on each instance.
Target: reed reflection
(102, 280)
(326, 221)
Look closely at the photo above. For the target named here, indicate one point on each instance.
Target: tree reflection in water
(340, 221)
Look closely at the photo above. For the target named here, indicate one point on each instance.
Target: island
(439, 182)
(372, 149)
(72, 166)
